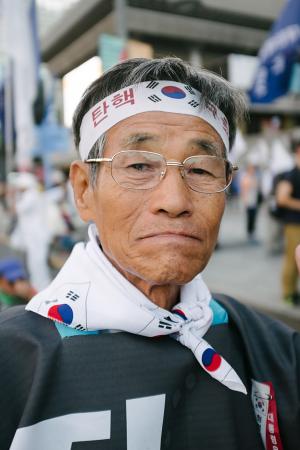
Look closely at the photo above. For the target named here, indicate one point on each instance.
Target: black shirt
(292, 216)
(126, 392)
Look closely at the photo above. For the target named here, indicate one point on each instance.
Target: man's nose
(172, 195)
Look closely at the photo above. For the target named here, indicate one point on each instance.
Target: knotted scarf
(89, 293)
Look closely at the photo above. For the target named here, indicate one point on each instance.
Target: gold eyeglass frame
(232, 168)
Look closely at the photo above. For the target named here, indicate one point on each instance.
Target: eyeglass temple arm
(95, 160)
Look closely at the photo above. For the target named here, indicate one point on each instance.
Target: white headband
(165, 96)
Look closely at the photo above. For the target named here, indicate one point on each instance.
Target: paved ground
(248, 272)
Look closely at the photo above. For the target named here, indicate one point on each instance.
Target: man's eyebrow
(138, 139)
(211, 148)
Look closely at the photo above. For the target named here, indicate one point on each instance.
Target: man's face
(164, 235)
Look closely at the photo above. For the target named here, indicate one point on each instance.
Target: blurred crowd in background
(38, 229)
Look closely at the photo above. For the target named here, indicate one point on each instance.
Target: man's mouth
(172, 234)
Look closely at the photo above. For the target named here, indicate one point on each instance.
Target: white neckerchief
(90, 294)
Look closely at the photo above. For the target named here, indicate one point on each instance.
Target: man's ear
(83, 192)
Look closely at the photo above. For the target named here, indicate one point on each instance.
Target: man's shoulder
(238, 309)
(257, 327)
(9, 314)
(17, 322)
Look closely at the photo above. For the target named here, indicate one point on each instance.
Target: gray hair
(213, 88)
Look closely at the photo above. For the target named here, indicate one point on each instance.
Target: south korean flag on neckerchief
(94, 296)
(211, 361)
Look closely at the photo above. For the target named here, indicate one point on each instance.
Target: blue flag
(277, 55)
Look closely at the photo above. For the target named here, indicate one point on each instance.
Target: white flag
(20, 47)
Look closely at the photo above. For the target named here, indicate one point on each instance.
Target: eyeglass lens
(136, 169)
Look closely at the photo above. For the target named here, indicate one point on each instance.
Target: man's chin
(173, 270)
(162, 265)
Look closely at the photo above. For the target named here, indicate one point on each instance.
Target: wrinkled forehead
(154, 130)
(153, 96)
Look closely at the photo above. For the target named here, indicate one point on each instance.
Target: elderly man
(127, 348)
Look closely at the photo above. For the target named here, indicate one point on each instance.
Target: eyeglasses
(138, 169)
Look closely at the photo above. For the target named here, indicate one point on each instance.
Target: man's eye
(197, 171)
(141, 167)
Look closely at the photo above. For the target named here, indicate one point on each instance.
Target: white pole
(121, 19)
(8, 117)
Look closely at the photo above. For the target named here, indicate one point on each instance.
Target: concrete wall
(213, 26)
(268, 9)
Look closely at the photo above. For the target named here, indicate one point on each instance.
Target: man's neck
(164, 296)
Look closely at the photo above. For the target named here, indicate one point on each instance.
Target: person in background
(15, 287)
(250, 195)
(31, 233)
(38, 170)
(59, 220)
(288, 197)
(5, 216)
